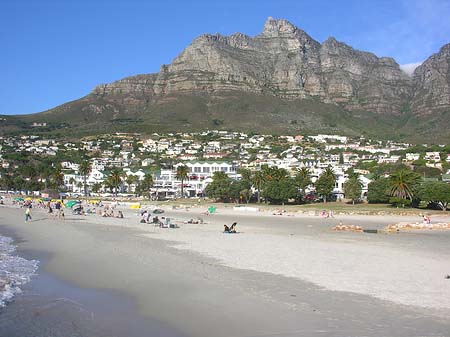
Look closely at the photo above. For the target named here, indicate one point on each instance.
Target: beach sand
(280, 276)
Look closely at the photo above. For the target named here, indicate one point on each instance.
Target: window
(197, 169)
(206, 169)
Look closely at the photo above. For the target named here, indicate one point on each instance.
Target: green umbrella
(70, 203)
(18, 199)
(46, 199)
(211, 209)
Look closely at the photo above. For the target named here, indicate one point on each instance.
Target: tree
(220, 187)
(258, 180)
(246, 174)
(57, 177)
(6, 182)
(326, 182)
(96, 187)
(353, 188)
(182, 174)
(378, 191)
(130, 180)
(273, 173)
(45, 173)
(302, 180)
(428, 172)
(403, 184)
(79, 185)
(85, 169)
(246, 195)
(436, 192)
(72, 182)
(114, 180)
(280, 191)
(145, 185)
(236, 188)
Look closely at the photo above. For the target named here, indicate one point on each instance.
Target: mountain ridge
(281, 62)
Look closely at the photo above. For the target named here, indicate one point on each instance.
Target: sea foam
(15, 271)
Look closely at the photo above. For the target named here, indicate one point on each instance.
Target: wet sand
(48, 306)
(199, 291)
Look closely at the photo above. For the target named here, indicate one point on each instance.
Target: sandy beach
(279, 276)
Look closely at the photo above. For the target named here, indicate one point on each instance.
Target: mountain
(281, 80)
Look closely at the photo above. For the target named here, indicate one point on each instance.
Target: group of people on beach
(56, 209)
(110, 214)
(324, 214)
(426, 219)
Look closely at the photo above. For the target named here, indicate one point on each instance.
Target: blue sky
(58, 50)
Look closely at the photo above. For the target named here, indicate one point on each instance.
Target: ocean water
(48, 306)
(15, 271)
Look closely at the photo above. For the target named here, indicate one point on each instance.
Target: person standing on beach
(28, 214)
(58, 209)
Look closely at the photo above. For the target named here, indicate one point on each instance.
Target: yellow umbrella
(28, 199)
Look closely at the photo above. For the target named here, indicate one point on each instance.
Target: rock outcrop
(432, 84)
(282, 61)
(281, 80)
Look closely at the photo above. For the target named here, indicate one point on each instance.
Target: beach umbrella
(46, 199)
(18, 199)
(28, 199)
(211, 209)
(71, 203)
(76, 206)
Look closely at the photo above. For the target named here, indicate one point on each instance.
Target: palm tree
(44, 176)
(182, 174)
(72, 182)
(145, 185)
(403, 184)
(115, 179)
(79, 185)
(329, 173)
(130, 180)
(57, 177)
(302, 179)
(84, 169)
(258, 180)
(96, 187)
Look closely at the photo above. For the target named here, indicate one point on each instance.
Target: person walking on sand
(28, 214)
(58, 209)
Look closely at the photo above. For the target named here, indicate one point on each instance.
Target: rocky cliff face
(282, 61)
(432, 84)
(281, 80)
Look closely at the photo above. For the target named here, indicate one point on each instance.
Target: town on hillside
(222, 165)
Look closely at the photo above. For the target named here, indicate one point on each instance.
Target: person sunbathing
(231, 229)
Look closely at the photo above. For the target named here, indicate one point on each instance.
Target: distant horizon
(58, 52)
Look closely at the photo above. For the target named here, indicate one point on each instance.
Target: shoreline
(65, 309)
(196, 293)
